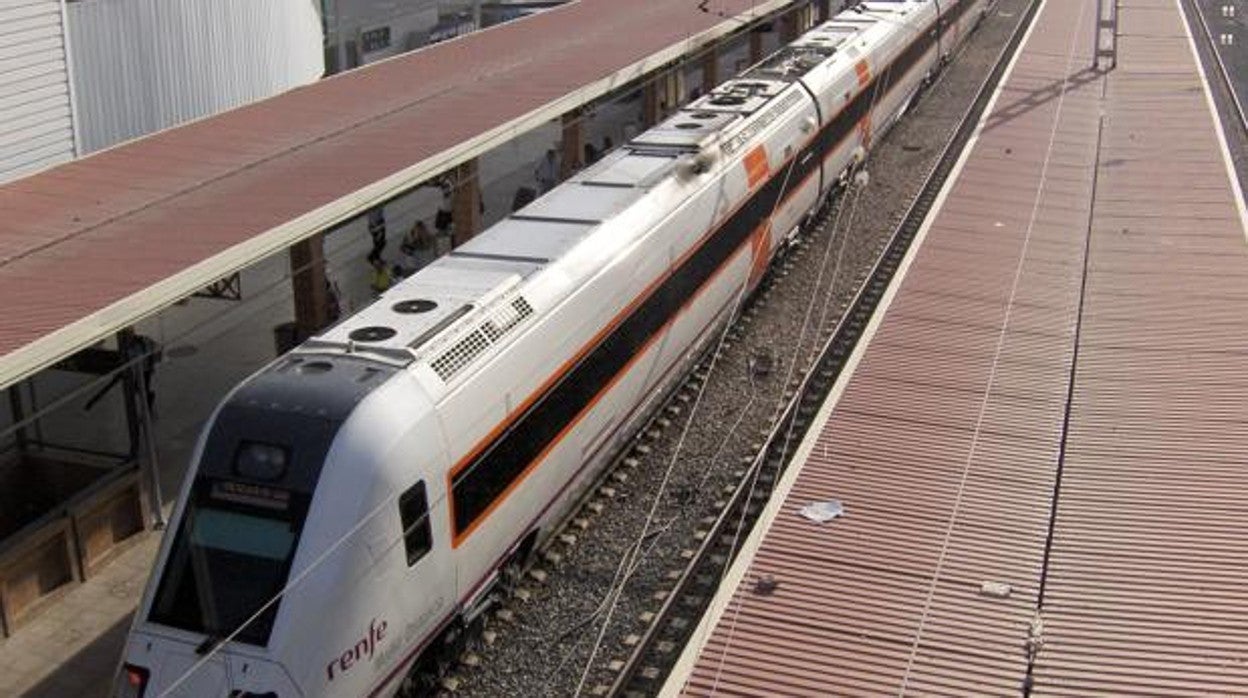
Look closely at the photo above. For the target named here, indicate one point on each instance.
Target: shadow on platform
(1040, 96)
(89, 672)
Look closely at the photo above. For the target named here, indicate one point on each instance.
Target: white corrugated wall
(143, 65)
(36, 129)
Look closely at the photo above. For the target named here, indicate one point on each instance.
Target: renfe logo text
(363, 649)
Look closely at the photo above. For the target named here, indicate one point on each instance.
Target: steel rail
(1193, 8)
(647, 666)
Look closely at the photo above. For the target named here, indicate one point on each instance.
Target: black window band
(479, 484)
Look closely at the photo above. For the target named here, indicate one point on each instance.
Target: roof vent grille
(460, 355)
(489, 332)
(504, 319)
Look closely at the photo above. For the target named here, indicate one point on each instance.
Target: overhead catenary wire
(294, 582)
(655, 537)
(741, 294)
(780, 406)
(305, 268)
(739, 526)
(793, 362)
(790, 431)
(827, 306)
(65, 399)
(973, 448)
(450, 175)
(855, 166)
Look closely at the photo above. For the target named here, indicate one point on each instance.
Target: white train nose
(186, 675)
(171, 669)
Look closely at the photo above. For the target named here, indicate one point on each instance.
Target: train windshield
(231, 557)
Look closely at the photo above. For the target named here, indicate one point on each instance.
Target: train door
(430, 575)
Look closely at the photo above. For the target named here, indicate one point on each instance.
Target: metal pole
(15, 406)
(329, 30)
(149, 443)
(310, 286)
(133, 353)
(1114, 38)
(74, 117)
(34, 409)
(1096, 37)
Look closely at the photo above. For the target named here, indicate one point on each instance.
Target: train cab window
(230, 560)
(414, 513)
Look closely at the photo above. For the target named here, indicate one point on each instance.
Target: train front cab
(221, 608)
(212, 611)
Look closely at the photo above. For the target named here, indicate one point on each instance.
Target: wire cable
(334, 547)
(972, 450)
(450, 175)
(715, 356)
(793, 362)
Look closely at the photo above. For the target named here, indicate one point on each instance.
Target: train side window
(414, 513)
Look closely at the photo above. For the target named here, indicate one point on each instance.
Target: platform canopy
(92, 246)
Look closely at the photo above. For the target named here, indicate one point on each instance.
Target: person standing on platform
(379, 279)
(445, 216)
(377, 231)
(333, 301)
(547, 172)
(419, 249)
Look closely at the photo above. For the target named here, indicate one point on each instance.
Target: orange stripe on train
(760, 246)
(864, 131)
(759, 237)
(864, 72)
(756, 166)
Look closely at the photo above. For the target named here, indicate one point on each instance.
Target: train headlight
(260, 461)
(133, 681)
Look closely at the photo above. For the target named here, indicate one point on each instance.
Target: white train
(356, 503)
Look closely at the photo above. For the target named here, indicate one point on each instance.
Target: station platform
(1039, 444)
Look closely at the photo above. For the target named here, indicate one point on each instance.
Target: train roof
(453, 311)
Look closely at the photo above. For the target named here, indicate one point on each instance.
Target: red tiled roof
(93, 245)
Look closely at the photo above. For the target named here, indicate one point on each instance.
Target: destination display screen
(251, 495)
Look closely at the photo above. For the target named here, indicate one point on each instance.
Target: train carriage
(355, 504)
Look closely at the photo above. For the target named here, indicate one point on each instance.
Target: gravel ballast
(561, 635)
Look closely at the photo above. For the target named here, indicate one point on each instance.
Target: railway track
(580, 623)
(1235, 105)
(647, 667)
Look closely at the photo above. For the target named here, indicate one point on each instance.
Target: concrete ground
(74, 647)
